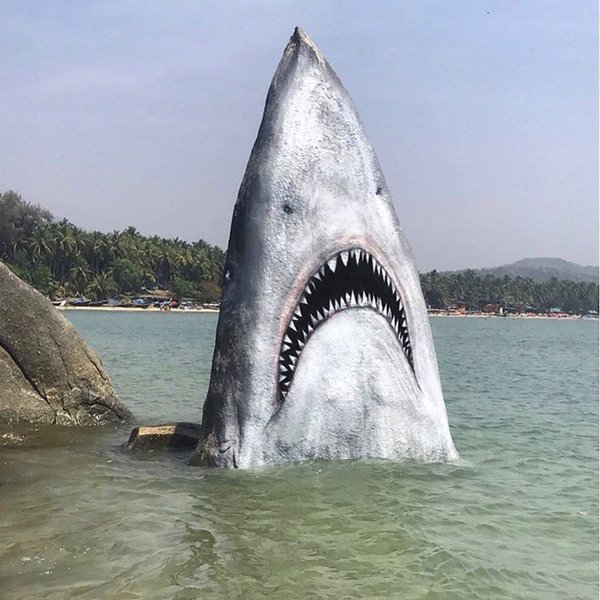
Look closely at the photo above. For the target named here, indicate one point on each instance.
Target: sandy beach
(136, 310)
(517, 316)
(132, 309)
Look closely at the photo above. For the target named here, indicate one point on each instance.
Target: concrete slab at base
(170, 436)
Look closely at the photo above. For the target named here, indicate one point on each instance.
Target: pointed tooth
(317, 276)
(293, 359)
(282, 377)
(331, 263)
(353, 300)
(314, 319)
(287, 340)
(344, 256)
(292, 326)
(303, 300)
(347, 298)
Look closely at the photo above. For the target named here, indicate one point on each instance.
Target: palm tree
(102, 286)
(78, 278)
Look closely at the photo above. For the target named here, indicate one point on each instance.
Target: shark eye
(287, 209)
(228, 274)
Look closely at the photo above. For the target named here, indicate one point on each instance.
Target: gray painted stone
(48, 374)
(307, 364)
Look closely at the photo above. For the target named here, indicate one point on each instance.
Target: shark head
(323, 346)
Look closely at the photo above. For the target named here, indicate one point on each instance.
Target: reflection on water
(515, 517)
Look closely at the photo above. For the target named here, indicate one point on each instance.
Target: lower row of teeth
(352, 300)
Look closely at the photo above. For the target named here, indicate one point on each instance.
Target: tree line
(62, 260)
(475, 291)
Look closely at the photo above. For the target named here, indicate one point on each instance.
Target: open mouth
(350, 279)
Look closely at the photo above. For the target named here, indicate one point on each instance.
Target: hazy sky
(483, 114)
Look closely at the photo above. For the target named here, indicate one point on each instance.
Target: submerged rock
(48, 374)
(170, 436)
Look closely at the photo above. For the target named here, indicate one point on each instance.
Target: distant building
(155, 296)
(492, 308)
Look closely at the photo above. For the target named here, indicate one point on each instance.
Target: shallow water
(515, 517)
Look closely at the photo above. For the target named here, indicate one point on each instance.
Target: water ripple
(515, 517)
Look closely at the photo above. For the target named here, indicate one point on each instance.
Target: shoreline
(131, 309)
(517, 316)
(135, 310)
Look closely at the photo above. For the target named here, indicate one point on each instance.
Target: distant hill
(543, 269)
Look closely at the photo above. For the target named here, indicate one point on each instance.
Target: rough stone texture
(48, 374)
(170, 436)
(312, 190)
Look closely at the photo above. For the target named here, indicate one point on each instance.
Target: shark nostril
(378, 191)
(287, 209)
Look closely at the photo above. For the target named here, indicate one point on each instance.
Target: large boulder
(48, 374)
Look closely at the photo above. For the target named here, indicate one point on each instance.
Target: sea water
(515, 517)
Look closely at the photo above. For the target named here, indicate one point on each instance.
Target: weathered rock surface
(170, 436)
(48, 374)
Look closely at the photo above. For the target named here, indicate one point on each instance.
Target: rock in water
(323, 348)
(48, 374)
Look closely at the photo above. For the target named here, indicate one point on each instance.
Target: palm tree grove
(61, 260)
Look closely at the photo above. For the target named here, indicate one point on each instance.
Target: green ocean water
(515, 517)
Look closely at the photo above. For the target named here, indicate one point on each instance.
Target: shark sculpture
(323, 347)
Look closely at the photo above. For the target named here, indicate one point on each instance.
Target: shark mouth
(351, 279)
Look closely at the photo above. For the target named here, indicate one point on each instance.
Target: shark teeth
(353, 278)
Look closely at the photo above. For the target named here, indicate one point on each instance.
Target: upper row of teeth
(357, 254)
